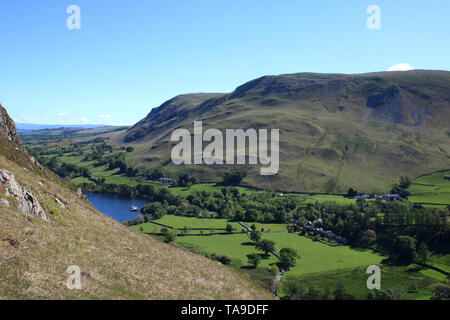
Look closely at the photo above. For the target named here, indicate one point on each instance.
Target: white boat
(134, 209)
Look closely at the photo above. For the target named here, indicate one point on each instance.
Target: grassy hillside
(116, 262)
(431, 188)
(336, 131)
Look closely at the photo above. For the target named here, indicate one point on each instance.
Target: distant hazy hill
(336, 130)
(34, 127)
(47, 226)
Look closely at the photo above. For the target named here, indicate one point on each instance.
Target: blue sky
(132, 55)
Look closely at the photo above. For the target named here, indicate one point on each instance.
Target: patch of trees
(266, 246)
(66, 169)
(351, 193)
(379, 224)
(184, 180)
(168, 235)
(288, 258)
(253, 259)
(229, 203)
(233, 178)
(155, 210)
(156, 174)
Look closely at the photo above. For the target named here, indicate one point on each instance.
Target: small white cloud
(22, 118)
(83, 120)
(64, 114)
(401, 67)
(105, 116)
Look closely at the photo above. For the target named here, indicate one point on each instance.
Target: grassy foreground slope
(116, 262)
(336, 131)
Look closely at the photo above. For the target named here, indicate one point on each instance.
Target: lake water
(116, 206)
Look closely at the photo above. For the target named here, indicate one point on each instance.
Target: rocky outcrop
(80, 194)
(60, 203)
(8, 128)
(26, 201)
(4, 203)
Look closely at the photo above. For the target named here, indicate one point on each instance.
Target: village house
(166, 180)
(330, 235)
(389, 197)
(392, 197)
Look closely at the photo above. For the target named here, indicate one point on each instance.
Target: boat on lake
(134, 209)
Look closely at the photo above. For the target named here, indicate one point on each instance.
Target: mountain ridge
(340, 121)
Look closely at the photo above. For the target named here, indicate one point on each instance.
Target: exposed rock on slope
(8, 128)
(26, 202)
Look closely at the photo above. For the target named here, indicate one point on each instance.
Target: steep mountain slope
(169, 113)
(115, 262)
(336, 131)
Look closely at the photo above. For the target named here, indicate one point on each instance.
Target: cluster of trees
(287, 256)
(406, 250)
(118, 161)
(168, 235)
(233, 178)
(229, 203)
(184, 180)
(98, 151)
(66, 169)
(379, 224)
(401, 188)
(50, 147)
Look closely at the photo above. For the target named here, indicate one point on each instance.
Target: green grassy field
(410, 281)
(235, 246)
(441, 261)
(147, 227)
(179, 222)
(330, 198)
(269, 227)
(431, 188)
(198, 226)
(315, 257)
(318, 265)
